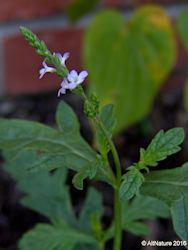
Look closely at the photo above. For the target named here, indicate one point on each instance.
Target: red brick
(25, 9)
(132, 3)
(22, 63)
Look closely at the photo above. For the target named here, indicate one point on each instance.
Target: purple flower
(75, 79)
(63, 58)
(64, 86)
(45, 69)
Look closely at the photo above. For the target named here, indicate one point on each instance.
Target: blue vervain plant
(152, 193)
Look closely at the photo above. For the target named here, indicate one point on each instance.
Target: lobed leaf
(162, 145)
(44, 193)
(130, 186)
(93, 204)
(89, 170)
(26, 135)
(136, 211)
(47, 194)
(48, 237)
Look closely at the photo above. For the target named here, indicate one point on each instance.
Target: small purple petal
(44, 64)
(72, 75)
(64, 83)
(61, 91)
(42, 72)
(63, 58)
(72, 85)
(66, 55)
(83, 74)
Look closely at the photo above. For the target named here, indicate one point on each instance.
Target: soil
(167, 112)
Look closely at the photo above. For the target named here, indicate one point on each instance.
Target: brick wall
(20, 64)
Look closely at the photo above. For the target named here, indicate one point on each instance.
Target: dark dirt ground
(167, 112)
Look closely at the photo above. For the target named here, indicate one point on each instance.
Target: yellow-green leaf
(128, 61)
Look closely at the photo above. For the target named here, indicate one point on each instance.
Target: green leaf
(90, 170)
(108, 120)
(137, 228)
(182, 23)
(167, 185)
(45, 193)
(77, 180)
(93, 204)
(130, 186)
(48, 237)
(179, 212)
(66, 120)
(27, 135)
(135, 211)
(124, 59)
(162, 145)
(171, 186)
(48, 162)
(79, 8)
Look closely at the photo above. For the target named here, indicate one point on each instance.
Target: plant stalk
(117, 202)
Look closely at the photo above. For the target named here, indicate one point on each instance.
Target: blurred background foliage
(127, 61)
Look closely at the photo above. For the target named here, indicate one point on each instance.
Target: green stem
(117, 202)
(117, 219)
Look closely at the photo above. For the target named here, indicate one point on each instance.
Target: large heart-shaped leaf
(127, 62)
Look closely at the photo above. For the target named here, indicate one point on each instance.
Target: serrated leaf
(132, 181)
(89, 170)
(45, 193)
(27, 135)
(170, 186)
(108, 120)
(135, 211)
(182, 23)
(124, 59)
(66, 120)
(93, 204)
(79, 8)
(48, 237)
(162, 145)
(140, 208)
